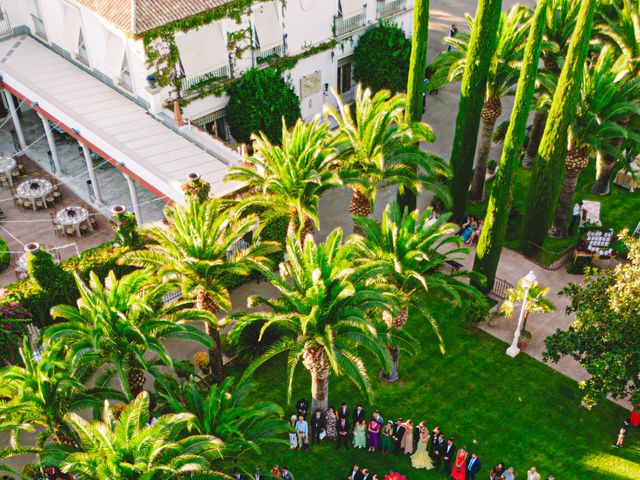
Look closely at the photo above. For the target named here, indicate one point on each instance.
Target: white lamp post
(527, 283)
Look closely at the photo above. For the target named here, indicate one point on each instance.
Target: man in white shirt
(575, 218)
(302, 430)
(533, 474)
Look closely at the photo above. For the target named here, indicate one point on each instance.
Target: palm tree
(503, 75)
(198, 253)
(378, 148)
(495, 222)
(225, 412)
(621, 29)
(411, 251)
(131, 448)
(323, 307)
(608, 100)
(547, 170)
(536, 301)
(41, 391)
(415, 81)
(560, 21)
(482, 45)
(288, 180)
(117, 324)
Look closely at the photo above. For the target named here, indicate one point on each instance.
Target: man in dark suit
(303, 407)
(473, 466)
(343, 411)
(355, 473)
(318, 424)
(438, 451)
(433, 441)
(342, 428)
(365, 474)
(398, 433)
(448, 454)
(286, 474)
(358, 414)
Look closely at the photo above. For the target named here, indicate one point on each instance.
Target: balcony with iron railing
(348, 96)
(220, 72)
(38, 25)
(343, 24)
(387, 8)
(5, 25)
(263, 55)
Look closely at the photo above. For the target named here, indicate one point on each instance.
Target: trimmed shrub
(475, 312)
(382, 58)
(258, 102)
(5, 256)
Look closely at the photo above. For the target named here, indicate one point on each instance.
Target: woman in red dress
(459, 470)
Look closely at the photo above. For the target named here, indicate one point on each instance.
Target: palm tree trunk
(415, 83)
(360, 204)
(319, 391)
(206, 303)
(482, 46)
(393, 375)
(524, 322)
(568, 190)
(495, 223)
(604, 169)
(539, 122)
(303, 232)
(547, 170)
(491, 111)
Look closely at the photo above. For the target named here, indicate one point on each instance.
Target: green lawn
(519, 411)
(620, 209)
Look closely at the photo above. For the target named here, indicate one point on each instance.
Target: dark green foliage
(415, 85)
(472, 92)
(126, 231)
(499, 208)
(258, 103)
(382, 58)
(13, 322)
(5, 256)
(548, 168)
(475, 311)
(51, 278)
(38, 301)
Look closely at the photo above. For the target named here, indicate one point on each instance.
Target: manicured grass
(520, 411)
(618, 210)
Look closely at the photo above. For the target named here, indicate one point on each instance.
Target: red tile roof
(138, 16)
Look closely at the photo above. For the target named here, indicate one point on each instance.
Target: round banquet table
(35, 189)
(73, 216)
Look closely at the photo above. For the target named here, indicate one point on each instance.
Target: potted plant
(491, 166)
(524, 339)
(536, 303)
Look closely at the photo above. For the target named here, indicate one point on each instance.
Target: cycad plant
(117, 325)
(40, 392)
(411, 250)
(197, 252)
(323, 307)
(131, 447)
(621, 29)
(608, 100)
(377, 149)
(225, 412)
(287, 180)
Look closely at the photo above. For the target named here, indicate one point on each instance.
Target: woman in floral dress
(331, 423)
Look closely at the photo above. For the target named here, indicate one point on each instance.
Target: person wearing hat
(386, 440)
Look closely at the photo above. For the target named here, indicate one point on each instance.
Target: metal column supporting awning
(107, 122)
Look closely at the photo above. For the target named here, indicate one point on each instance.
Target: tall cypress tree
(547, 171)
(415, 86)
(495, 222)
(472, 91)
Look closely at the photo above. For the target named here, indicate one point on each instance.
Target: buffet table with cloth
(7, 165)
(35, 189)
(73, 216)
(625, 179)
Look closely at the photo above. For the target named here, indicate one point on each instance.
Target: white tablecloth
(73, 216)
(7, 165)
(35, 189)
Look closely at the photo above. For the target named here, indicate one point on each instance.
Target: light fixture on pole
(527, 282)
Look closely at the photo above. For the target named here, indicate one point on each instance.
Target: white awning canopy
(114, 54)
(107, 122)
(202, 50)
(71, 28)
(349, 7)
(267, 25)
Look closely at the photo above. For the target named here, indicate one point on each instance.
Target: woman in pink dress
(374, 430)
(459, 470)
